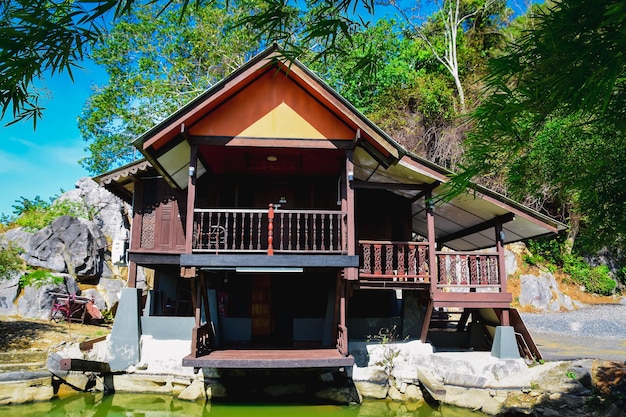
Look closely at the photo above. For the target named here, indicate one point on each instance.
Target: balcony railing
(269, 230)
(391, 261)
(468, 271)
(394, 260)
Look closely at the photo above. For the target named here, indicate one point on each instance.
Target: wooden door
(261, 307)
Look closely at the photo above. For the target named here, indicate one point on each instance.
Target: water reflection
(151, 405)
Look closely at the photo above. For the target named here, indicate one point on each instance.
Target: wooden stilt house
(287, 223)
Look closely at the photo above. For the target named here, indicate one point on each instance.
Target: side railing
(342, 339)
(202, 340)
(385, 262)
(468, 271)
(269, 231)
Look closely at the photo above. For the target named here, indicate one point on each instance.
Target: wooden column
(432, 244)
(191, 198)
(501, 259)
(270, 230)
(505, 320)
(132, 274)
(347, 205)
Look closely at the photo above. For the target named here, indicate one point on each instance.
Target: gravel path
(593, 331)
(606, 321)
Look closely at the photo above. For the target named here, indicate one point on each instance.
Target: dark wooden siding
(158, 218)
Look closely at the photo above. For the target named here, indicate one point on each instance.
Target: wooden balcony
(269, 231)
(390, 264)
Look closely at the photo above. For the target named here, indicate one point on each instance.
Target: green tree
(554, 109)
(155, 66)
(443, 32)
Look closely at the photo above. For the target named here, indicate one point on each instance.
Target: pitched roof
(377, 157)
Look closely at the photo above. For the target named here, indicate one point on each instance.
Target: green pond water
(142, 405)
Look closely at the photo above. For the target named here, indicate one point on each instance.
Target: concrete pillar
(504, 343)
(123, 349)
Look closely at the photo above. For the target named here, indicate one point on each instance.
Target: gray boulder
(9, 290)
(36, 301)
(542, 292)
(110, 213)
(70, 245)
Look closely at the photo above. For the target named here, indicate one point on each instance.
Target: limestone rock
(543, 293)
(26, 388)
(371, 390)
(36, 302)
(395, 395)
(413, 393)
(9, 290)
(194, 392)
(344, 395)
(111, 291)
(70, 245)
(110, 213)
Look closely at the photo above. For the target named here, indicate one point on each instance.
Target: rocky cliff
(79, 251)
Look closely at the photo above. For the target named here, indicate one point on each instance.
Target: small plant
(39, 278)
(386, 337)
(107, 316)
(571, 375)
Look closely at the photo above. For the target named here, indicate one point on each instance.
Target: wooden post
(505, 319)
(132, 274)
(432, 244)
(270, 230)
(191, 198)
(348, 206)
(501, 259)
(426, 324)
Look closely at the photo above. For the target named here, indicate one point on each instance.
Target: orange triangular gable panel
(273, 106)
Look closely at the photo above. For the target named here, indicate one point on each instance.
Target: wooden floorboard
(270, 359)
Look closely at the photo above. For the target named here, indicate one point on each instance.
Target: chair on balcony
(215, 238)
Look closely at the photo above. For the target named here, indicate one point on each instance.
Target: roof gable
(263, 82)
(272, 106)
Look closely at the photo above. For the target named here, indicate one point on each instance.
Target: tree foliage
(155, 66)
(553, 118)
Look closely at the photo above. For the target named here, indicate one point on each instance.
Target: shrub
(39, 216)
(10, 260)
(40, 278)
(596, 279)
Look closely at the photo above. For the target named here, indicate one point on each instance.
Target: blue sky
(41, 162)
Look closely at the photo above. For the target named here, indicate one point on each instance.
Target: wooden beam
(265, 261)
(389, 186)
(69, 364)
(424, 192)
(244, 141)
(154, 259)
(505, 218)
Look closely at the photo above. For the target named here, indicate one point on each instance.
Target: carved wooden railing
(468, 271)
(202, 340)
(400, 261)
(342, 339)
(271, 230)
(406, 262)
